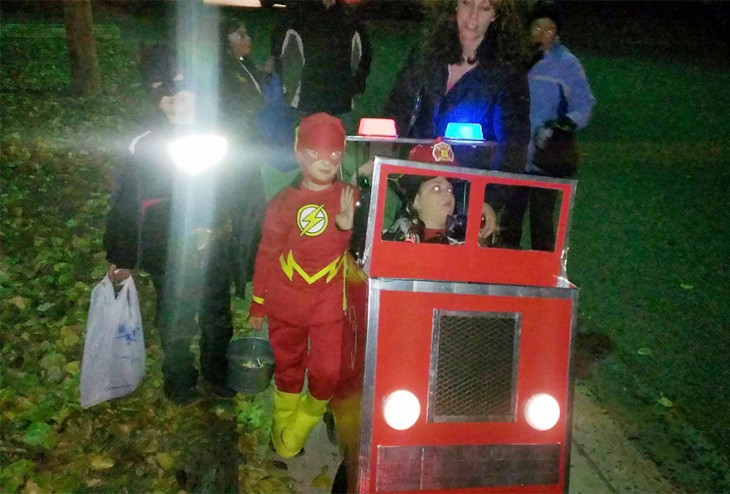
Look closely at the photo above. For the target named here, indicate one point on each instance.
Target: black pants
(542, 226)
(194, 298)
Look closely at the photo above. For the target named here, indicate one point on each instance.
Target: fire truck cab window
(426, 209)
(528, 221)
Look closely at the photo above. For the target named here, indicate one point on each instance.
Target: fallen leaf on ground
(665, 402)
(99, 462)
(165, 460)
(322, 480)
(20, 302)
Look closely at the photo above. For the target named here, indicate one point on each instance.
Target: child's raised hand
(346, 216)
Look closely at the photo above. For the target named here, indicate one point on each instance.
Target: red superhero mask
(320, 148)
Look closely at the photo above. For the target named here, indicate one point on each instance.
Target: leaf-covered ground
(648, 249)
(57, 154)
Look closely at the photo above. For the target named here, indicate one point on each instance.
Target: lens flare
(197, 153)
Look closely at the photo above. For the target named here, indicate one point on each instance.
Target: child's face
(434, 202)
(240, 42)
(177, 103)
(320, 147)
(319, 165)
(179, 108)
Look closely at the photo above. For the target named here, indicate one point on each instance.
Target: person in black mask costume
(186, 208)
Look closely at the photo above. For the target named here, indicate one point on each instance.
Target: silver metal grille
(474, 358)
(425, 468)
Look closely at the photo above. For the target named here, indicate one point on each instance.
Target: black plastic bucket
(250, 364)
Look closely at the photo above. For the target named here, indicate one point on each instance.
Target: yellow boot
(285, 404)
(300, 425)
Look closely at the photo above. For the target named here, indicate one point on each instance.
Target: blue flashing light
(464, 131)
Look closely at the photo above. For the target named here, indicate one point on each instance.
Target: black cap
(547, 9)
(409, 185)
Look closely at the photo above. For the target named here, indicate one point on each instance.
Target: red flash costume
(298, 282)
(298, 285)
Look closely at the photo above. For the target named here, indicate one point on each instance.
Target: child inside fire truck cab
(428, 215)
(298, 281)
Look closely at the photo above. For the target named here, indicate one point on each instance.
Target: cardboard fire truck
(456, 362)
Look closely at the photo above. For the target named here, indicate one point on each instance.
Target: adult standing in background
(250, 98)
(241, 98)
(470, 70)
(322, 52)
(560, 101)
(240, 82)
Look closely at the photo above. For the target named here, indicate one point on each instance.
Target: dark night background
(648, 235)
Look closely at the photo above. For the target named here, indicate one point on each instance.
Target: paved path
(603, 460)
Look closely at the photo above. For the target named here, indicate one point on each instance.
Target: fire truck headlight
(542, 412)
(196, 153)
(401, 410)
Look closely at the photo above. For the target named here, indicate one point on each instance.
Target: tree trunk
(81, 47)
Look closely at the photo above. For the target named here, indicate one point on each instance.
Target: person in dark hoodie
(241, 84)
(186, 208)
(322, 52)
(250, 98)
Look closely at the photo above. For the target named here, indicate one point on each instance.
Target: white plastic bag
(113, 363)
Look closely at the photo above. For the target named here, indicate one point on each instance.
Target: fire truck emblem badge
(312, 220)
(442, 152)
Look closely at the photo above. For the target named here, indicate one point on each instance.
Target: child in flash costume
(299, 281)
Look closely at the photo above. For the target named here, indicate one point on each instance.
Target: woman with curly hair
(470, 69)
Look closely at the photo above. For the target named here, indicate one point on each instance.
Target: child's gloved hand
(345, 218)
(456, 228)
(562, 123)
(365, 170)
(256, 322)
(117, 275)
(489, 222)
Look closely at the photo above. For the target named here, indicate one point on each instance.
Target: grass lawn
(649, 250)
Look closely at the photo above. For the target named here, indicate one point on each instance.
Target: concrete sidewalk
(602, 461)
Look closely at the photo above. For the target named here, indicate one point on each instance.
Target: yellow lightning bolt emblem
(290, 266)
(312, 219)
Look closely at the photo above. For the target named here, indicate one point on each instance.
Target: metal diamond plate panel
(473, 366)
(426, 468)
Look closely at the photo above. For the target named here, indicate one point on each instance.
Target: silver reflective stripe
(133, 144)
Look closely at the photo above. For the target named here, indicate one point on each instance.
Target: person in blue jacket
(560, 101)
